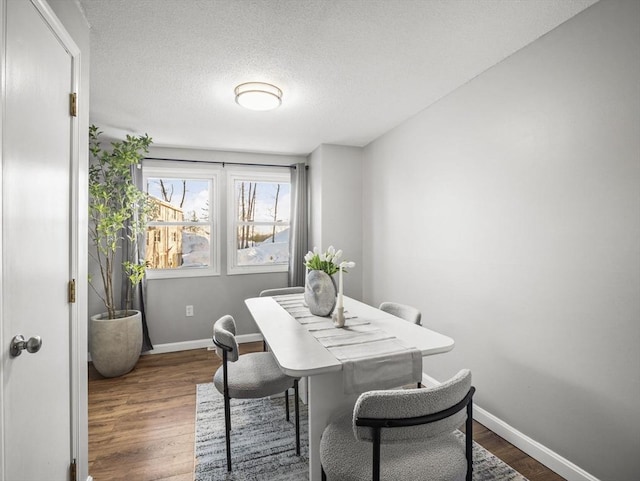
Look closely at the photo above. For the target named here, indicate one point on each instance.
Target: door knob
(18, 344)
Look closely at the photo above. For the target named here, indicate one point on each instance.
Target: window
(182, 237)
(259, 205)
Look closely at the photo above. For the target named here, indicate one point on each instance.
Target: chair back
(402, 311)
(416, 414)
(281, 291)
(224, 338)
(411, 411)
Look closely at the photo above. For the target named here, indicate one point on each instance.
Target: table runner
(371, 357)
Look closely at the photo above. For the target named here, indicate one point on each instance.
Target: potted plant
(117, 211)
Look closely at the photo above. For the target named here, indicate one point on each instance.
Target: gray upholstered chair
(403, 434)
(250, 376)
(280, 291)
(402, 311)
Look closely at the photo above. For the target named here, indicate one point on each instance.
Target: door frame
(78, 231)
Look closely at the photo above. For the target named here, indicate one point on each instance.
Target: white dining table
(299, 354)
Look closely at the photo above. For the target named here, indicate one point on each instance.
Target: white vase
(320, 293)
(115, 344)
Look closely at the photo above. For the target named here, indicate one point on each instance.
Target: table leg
(326, 399)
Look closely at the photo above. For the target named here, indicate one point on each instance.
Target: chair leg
(286, 403)
(227, 426)
(297, 405)
(469, 440)
(376, 454)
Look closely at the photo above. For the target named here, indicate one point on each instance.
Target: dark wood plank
(142, 425)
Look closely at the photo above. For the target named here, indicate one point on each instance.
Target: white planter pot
(115, 344)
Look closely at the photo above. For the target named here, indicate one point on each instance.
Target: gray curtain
(299, 225)
(135, 252)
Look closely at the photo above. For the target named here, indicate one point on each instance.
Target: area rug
(263, 443)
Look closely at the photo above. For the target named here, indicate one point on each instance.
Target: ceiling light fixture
(258, 96)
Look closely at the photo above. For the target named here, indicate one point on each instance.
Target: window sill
(271, 269)
(153, 274)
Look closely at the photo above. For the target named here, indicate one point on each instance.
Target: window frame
(277, 175)
(210, 173)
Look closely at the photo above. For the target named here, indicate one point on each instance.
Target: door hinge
(73, 470)
(73, 104)
(72, 290)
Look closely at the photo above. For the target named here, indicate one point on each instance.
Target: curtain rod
(292, 166)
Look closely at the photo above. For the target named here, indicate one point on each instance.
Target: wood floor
(141, 425)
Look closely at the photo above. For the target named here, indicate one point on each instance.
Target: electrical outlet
(189, 311)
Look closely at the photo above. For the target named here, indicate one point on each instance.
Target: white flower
(328, 261)
(347, 265)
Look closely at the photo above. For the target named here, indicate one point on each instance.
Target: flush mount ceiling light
(258, 96)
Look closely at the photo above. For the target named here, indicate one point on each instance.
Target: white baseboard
(537, 451)
(544, 455)
(196, 344)
(199, 344)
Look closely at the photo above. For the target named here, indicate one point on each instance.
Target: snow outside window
(259, 206)
(182, 235)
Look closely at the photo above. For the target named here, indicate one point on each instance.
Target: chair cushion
(345, 459)
(253, 375)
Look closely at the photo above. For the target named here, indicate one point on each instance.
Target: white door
(36, 247)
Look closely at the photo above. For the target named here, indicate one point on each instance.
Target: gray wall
(335, 205)
(509, 214)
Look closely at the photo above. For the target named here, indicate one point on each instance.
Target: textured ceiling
(350, 69)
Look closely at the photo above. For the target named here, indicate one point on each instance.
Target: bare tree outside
(247, 204)
(167, 194)
(275, 214)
